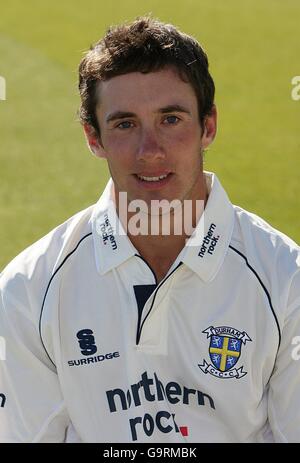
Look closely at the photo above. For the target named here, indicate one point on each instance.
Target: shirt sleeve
(32, 408)
(284, 390)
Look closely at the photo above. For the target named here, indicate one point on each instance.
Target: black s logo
(87, 342)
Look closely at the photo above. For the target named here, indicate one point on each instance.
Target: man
(122, 332)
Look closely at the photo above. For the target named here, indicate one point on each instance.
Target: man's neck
(159, 252)
(161, 248)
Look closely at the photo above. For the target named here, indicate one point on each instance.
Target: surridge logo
(87, 342)
(88, 348)
(209, 241)
(153, 390)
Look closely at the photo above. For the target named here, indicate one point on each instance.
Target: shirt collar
(204, 252)
(112, 245)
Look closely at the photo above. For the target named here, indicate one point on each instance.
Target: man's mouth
(152, 179)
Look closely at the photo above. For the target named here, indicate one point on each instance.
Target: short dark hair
(144, 45)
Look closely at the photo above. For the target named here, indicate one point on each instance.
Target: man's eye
(171, 119)
(124, 125)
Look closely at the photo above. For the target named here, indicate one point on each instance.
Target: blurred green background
(46, 171)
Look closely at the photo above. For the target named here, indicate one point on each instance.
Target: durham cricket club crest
(224, 351)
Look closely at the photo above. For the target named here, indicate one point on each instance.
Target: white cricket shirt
(97, 351)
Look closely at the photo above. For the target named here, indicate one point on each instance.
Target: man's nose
(149, 147)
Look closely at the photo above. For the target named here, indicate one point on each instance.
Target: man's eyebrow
(119, 115)
(174, 108)
(166, 109)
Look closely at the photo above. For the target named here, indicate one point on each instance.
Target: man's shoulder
(38, 261)
(269, 252)
(253, 228)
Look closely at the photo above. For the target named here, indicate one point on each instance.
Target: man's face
(151, 135)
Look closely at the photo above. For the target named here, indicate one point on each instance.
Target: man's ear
(94, 141)
(210, 128)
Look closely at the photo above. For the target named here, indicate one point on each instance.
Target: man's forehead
(158, 89)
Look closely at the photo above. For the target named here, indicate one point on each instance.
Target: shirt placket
(153, 329)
